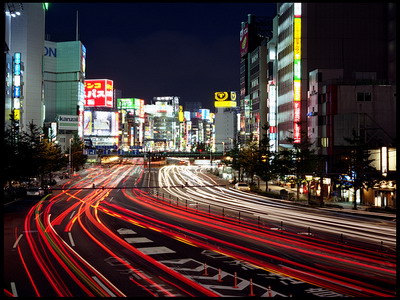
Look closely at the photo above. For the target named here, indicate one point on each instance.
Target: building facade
(25, 32)
(355, 37)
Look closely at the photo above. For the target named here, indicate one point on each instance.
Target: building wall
(27, 37)
(377, 116)
(355, 37)
(225, 128)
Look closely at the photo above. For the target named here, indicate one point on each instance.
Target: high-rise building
(25, 31)
(354, 37)
(64, 65)
(226, 120)
(254, 35)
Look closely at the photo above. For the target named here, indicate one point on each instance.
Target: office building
(25, 31)
(354, 37)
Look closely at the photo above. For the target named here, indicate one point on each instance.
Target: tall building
(25, 31)
(254, 35)
(354, 37)
(162, 127)
(226, 121)
(64, 66)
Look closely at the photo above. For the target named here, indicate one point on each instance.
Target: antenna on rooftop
(77, 22)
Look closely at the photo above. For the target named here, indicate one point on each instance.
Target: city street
(130, 230)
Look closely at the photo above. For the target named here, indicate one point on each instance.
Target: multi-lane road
(129, 230)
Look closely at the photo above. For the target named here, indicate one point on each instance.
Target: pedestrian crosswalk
(143, 240)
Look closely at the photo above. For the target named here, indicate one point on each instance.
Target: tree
(50, 159)
(264, 167)
(235, 162)
(357, 167)
(248, 159)
(78, 159)
(297, 161)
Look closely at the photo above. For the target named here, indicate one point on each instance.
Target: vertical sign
(17, 86)
(296, 72)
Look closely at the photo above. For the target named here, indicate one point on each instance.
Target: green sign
(128, 103)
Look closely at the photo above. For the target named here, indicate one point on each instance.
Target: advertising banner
(68, 122)
(244, 40)
(225, 99)
(99, 93)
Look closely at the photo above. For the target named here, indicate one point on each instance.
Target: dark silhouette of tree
(78, 159)
(357, 166)
(264, 168)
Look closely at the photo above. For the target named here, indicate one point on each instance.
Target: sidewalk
(341, 207)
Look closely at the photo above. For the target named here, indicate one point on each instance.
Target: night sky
(190, 50)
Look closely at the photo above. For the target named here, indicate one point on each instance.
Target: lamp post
(70, 157)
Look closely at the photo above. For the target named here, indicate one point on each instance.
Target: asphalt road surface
(129, 230)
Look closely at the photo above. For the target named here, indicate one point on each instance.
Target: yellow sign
(297, 28)
(17, 114)
(224, 103)
(297, 48)
(221, 96)
(297, 90)
(233, 96)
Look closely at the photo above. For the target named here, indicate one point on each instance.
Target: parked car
(34, 191)
(242, 186)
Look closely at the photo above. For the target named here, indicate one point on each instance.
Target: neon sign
(99, 93)
(296, 72)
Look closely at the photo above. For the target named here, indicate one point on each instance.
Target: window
(321, 120)
(364, 97)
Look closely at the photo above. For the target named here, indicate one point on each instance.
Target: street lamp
(70, 157)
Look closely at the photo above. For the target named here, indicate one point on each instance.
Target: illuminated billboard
(131, 104)
(99, 93)
(296, 71)
(244, 40)
(225, 99)
(204, 114)
(100, 123)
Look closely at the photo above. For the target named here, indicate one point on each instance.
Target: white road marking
(155, 250)
(71, 240)
(126, 231)
(72, 214)
(104, 287)
(138, 240)
(14, 289)
(16, 242)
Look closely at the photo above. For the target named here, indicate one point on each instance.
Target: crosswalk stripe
(137, 240)
(155, 250)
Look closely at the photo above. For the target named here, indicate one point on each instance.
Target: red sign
(296, 122)
(99, 93)
(244, 40)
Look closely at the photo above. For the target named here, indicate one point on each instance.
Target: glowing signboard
(225, 99)
(100, 123)
(296, 72)
(244, 40)
(99, 93)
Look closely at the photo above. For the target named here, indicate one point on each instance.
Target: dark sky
(190, 50)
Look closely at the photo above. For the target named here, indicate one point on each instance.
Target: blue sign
(17, 92)
(50, 52)
(17, 57)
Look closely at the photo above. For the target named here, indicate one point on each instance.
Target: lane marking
(125, 231)
(16, 242)
(138, 240)
(71, 239)
(104, 287)
(72, 214)
(14, 289)
(155, 250)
